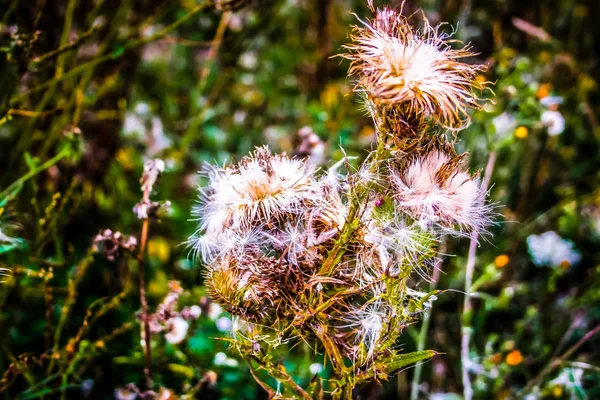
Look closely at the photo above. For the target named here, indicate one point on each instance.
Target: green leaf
(402, 360)
(181, 370)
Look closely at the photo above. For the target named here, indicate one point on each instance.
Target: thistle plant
(333, 258)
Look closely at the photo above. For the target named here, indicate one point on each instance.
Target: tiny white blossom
(554, 121)
(141, 108)
(550, 249)
(249, 60)
(444, 396)
(569, 377)
(195, 311)
(221, 359)
(133, 126)
(550, 101)
(224, 324)
(504, 123)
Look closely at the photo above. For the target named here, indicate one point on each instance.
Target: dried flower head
(413, 70)
(147, 208)
(259, 188)
(114, 244)
(434, 190)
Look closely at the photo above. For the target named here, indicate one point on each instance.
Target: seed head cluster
(333, 257)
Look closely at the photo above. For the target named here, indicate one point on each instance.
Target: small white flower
(158, 141)
(239, 117)
(231, 362)
(249, 60)
(221, 359)
(550, 101)
(550, 249)
(195, 311)
(569, 377)
(444, 396)
(141, 108)
(554, 121)
(178, 330)
(505, 124)
(224, 324)
(315, 368)
(133, 126)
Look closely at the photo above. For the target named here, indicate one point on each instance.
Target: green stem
(33, 172)
(422, 339)
(467, 313)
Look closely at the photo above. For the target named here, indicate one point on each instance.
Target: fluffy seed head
(433, 189)
(415, 70)
(258, 188)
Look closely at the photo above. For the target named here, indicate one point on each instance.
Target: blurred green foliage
(93, 88)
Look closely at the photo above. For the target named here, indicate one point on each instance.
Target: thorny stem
(468, 307)
(332, 350)
(559, 361)
(263, 385)
(278, 372)
(336, 253)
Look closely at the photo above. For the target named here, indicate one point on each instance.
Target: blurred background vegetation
(91, 89)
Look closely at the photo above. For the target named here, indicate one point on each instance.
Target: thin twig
(468, 307)
(144, 302)
(33, 172)
(62, 49)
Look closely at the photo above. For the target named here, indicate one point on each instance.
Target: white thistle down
(367, 323)
(400, 242)
(254, 191)
(297, 255)
(434, 189)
